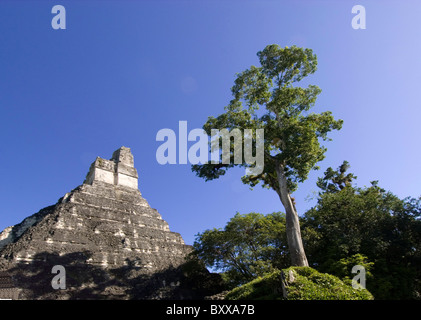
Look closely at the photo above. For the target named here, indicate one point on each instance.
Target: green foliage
(383, 229)
(310, 284)
(266, 287)
(342, 268)
(334, 181)
(349, 226)
(291, 133)
(307, 284)
(197, 278)
(250, 245)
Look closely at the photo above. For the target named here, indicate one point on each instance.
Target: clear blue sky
(122, 70)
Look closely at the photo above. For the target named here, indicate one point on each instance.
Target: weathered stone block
(117, 171)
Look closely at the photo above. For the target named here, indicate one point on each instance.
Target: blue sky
(123, 70)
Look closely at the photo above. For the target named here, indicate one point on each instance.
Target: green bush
(267, 287)
(302, 283)
(310, 284)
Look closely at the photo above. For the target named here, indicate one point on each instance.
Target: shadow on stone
(85, 281)
(110, 241)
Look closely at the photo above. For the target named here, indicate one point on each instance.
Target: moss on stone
(301, 283)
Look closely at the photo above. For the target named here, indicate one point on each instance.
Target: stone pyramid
(106, 238)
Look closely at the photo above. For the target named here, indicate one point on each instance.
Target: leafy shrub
(267, 287)
(309, 284)
(302, 283)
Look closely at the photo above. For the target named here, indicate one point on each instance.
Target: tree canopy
(371, 222)
(265, 98)
(292, 134)
(249, 246)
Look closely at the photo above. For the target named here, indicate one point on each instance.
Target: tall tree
(291, 134)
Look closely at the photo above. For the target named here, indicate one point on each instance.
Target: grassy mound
(261, 288)
(301, 283)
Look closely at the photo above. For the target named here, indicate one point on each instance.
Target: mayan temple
(107, 240)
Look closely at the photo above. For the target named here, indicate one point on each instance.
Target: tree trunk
(295, 243)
